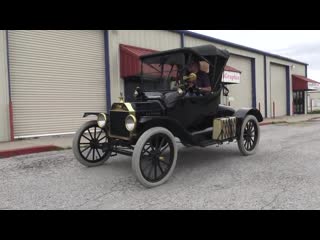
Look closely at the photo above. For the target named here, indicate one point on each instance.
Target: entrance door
(298, 102)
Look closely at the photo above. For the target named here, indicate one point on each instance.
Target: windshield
(161, 73)
(159, 77)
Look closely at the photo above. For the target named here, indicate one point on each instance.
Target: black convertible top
(203, 51)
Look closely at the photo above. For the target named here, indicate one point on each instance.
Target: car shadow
(195, 157)
(188, 158)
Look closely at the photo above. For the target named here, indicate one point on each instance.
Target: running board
(205, 131)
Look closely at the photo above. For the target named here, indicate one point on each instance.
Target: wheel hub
(94, 143)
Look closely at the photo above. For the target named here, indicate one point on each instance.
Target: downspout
(253, 79)
(182, 39)
(306, 71)
(107, 69)
(265, 87)
(288, 89)
(9, 86)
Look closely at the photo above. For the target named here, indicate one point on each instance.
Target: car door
(192, 112)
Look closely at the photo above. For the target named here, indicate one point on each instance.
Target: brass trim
(119, 107)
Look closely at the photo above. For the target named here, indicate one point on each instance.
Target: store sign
(231, 77)
(313, 85)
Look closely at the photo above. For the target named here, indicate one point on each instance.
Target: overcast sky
(301, 45)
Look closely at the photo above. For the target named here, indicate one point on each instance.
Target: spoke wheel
(249, 135)
(87, 144)
(154, 157)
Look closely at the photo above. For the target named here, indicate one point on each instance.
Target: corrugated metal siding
(55, 77)
(242, 93)
(152, 39)
(4, 90)
(278, 89)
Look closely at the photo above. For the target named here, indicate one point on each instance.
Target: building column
(107, 69)
(5, 133)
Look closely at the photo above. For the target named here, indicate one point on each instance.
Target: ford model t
(167, 105)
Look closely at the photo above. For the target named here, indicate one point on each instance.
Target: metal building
(49, 78)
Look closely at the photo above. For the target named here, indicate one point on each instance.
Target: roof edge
(216, 40)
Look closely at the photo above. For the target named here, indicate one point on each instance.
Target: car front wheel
(154, 157)
(249, 135)
(86, 144)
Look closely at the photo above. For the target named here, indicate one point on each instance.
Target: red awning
(303, 83)
(231, 69)
(130, 63)
(129, 59)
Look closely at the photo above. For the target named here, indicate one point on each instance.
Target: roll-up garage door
(241, 94)
(278, 90)
(55, 77)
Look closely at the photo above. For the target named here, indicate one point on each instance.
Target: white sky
(301, 45)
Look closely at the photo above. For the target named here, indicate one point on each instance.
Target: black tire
(84, 148)
(249, 138)
(154, 157)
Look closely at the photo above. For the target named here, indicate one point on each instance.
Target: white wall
(4, 90)
(315, 97)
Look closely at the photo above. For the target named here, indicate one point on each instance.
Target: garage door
(240, 94)
(55, 77)
(278, 89)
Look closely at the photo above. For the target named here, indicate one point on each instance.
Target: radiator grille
(117, 124)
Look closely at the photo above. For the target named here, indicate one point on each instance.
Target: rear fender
(242, 113)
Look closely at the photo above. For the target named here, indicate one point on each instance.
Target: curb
(269, 123)
(28, 150)
(276, 122)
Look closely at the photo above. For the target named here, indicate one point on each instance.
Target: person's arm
(205, 86)
(205, 89)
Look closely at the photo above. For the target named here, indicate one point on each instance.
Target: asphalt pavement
(283, 174)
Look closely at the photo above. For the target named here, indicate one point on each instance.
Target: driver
(202, 83)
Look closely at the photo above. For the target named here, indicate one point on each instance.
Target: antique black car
(168, 106)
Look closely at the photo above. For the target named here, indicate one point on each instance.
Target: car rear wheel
(249, 135)
(154, 157)
(86, 143)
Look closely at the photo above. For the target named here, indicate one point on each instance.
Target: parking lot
(283, 174)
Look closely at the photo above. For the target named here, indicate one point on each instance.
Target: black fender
(243, 112)
(86, 114)
(147, 122)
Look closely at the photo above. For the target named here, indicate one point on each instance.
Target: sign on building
(231, 77)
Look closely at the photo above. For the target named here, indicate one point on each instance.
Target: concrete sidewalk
(290, 119)
(34, 145)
